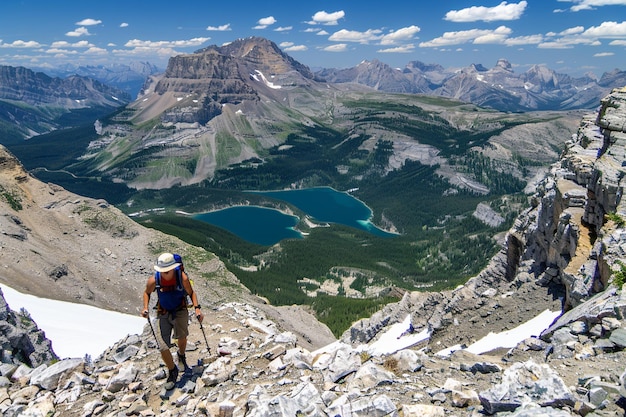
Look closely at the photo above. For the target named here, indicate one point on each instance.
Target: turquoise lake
(267, 226)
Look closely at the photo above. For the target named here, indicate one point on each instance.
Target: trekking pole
(206, 341)
(153, 333)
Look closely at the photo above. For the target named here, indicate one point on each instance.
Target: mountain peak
(504, 64)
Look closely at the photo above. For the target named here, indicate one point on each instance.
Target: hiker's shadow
(186, 383)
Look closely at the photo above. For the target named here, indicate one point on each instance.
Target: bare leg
(182, 345)
(168, 359)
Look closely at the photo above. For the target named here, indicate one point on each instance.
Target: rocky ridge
(563, 252)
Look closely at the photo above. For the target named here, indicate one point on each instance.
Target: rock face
(21, 340)
(563, 254)
(215, 76)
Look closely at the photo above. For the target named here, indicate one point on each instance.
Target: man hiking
(172, 286)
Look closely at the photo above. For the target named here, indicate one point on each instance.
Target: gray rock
(303, 400)
(370, 375)
(526, 382)
(125, 375)
(533, 410)
(597, 395)
(126, 354)
(363, 406)
(618, 337)
(485, 368)
(408, 360)
(219, 371)
(49, 377)
(578, 327)
(423, 410)
(343, 362)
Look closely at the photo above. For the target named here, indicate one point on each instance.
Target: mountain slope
(33, 103)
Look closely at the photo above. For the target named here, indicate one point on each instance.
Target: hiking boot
(183, 360)
(171, 378)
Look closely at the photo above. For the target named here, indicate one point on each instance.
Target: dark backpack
(172, 297)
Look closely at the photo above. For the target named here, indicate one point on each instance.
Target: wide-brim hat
(166, 262)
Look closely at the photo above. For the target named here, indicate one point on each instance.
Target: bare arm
(150, 287)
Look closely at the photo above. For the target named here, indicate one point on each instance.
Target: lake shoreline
(321, 206)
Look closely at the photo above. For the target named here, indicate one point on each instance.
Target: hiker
(172, 286)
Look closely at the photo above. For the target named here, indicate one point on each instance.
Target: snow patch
(399, 336)
(258, 76)
(75, 330)
(508, 338)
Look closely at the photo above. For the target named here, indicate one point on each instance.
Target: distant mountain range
(127, 77)
(33, 103)
(500, 88)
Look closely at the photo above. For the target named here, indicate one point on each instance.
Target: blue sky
(569, 36)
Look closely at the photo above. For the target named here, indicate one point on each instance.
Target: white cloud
(503, 11)
(161, 49)
(592, 4)
(491, 38)
(403, 34)
(265, 22)
(345, 35)
(221, 28)
(322, 33)
(466, 36)
(618, 43)
(524, 40)
(398, 49)
(164, 52)
(283, 29)
(138, 43)
(602, 54)
(296, 48)
(572, 31)
(324, 18)
(123, 25)
(96, 51)
(65, 44)
(88, 22)
(607, 30)
(21, 44)
(564, 43)
(578, 36)
(60, 51)
(340, 47)
(78, 32)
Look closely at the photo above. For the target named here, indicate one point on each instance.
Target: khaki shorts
(178, 322)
